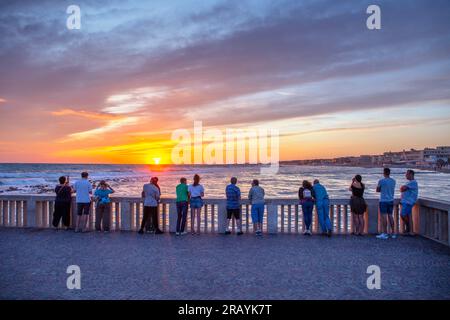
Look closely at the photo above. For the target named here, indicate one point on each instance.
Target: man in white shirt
(83, 189)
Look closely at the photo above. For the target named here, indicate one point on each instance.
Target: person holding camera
(103, 209)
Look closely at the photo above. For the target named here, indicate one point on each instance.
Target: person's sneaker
(158, 231)
(77, 230)
(183, 233)
(383, 236)
(106, 231)
(309, 233)
(329, 233)
(177, 233)
(393, 236)
(305, 233)
(239, 233)
(141, 231)
(228, 232)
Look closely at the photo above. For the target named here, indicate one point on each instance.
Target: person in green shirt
(182, 206)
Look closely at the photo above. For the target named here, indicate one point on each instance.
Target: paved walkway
(129, 266)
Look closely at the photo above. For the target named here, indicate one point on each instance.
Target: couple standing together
(186, 195)
(318, 195)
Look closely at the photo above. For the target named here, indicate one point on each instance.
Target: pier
(282, 264)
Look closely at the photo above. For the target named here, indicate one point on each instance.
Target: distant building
(434, 155)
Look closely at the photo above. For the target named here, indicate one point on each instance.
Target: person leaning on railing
(323, 207)
(151, 196)
(410, 193)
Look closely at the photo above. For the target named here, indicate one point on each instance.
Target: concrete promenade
(125, 265)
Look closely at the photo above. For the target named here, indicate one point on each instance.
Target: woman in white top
(196, 193)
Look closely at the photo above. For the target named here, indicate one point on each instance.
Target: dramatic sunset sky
(114, 91)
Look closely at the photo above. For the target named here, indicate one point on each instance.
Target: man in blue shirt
(83, 189)
(233, 194)
(410, 193)
(386, 188)
(323, 207)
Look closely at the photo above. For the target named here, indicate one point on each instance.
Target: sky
(115, 90)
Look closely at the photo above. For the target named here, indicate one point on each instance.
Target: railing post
(125, 215)
(222, 217)
(272, 218)
(173, 217)
(448, 228)
(423, 212)
(372, 220)
(31, 219)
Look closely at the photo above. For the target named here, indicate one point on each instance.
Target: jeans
(323, 209)
(257, 212)
(307, 208)
(182, 209)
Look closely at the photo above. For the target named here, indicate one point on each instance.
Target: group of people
(192, 195)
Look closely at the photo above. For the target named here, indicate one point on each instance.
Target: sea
(127, 180)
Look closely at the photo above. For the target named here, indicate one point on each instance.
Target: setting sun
(156, 160)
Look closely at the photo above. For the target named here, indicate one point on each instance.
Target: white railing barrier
(430, 217)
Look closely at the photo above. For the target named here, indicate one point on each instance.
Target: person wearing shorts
(233, 194)
(256, 198)
(386, 188)
(410, 193)
(196, 192)
(83, 189)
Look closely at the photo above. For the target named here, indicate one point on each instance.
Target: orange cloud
(85, 114)
(2, 100)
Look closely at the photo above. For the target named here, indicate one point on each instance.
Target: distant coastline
(367, 166)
